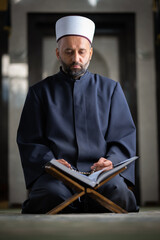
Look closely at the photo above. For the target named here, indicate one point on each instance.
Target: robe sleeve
(33, 145)
(121, 136)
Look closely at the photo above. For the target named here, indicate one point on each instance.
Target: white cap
(75, 25)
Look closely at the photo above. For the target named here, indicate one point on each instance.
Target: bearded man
(80, 119)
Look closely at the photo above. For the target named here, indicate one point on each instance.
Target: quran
(93, 179)
(86, 185)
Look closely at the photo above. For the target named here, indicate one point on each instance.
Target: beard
(75, 73)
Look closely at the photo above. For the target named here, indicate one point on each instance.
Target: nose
(75, 57)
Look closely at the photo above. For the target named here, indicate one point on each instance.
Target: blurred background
(126, 49)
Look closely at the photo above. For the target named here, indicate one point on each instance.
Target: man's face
(74, 53)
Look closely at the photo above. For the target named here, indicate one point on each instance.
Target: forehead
(73, 42)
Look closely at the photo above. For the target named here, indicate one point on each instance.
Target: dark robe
(79, 121)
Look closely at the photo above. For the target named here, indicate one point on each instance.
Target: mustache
(75, 63)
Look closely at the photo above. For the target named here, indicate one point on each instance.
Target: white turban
(75, 25)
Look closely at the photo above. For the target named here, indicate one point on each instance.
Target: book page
(94, 176)
(77, 175)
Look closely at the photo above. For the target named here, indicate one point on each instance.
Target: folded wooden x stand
(82, 190)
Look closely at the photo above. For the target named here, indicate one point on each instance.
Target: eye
(82, 51)
(68, 52)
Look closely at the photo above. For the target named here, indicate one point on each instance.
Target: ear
(57, 53)
(91, 52)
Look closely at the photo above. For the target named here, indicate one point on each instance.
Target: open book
(95, 178)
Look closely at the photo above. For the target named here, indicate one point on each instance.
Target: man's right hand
(64, 162)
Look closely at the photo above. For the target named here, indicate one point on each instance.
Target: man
(80, 119)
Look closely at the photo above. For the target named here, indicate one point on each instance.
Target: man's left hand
(102, 163)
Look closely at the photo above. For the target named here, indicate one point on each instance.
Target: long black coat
(79, 121)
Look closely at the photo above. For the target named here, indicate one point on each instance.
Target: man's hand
(64, 162)
(102, 163)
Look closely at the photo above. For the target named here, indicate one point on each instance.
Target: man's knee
(57, 191)
(117, 191)
(46, 194)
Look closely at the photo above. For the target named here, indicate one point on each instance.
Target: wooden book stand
(82, 190)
